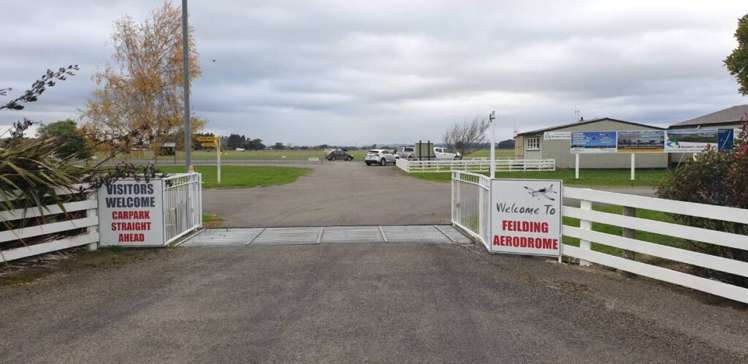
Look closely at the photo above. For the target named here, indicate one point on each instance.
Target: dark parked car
(339, 155)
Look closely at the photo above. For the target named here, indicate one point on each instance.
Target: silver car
(379, 156)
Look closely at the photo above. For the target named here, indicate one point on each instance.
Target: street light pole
(186, 65)
(491, 118)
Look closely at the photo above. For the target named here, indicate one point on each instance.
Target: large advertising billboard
(526, 216)
(691, 140)
(593, 142)
(641, 141)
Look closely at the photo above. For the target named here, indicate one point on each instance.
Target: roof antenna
(579, 115)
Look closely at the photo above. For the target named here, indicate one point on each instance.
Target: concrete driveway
(339, 193)
(359, 302)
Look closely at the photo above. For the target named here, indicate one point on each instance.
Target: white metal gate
(183, 205)
(471, 205)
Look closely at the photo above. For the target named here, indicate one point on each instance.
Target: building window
(533, 143)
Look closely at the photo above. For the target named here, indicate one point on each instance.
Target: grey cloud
(395, 71)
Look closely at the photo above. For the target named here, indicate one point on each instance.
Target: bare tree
(463, 137)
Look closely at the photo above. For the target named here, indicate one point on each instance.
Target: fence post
(93, 229)
(633, 166)
(629, 233)
(585, 225)
(452, 198)
(458, 199)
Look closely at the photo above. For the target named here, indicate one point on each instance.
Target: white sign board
(526, 216)
(594, 142)
(131, 214)
(557, 135)
(691, 140)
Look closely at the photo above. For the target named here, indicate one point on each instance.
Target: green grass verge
(244, 176)
(599, 177)
(211, 221)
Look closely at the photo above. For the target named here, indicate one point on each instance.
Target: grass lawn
(244, 176)
(592, 177)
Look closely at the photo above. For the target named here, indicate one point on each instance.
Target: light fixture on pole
(186, 65)
(491, 118)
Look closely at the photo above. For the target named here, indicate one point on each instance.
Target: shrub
(715, 178)
(71, 142)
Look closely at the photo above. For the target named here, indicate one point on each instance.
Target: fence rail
(476, 165)
(586, 235)
(43, 238)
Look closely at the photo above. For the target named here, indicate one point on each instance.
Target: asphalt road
(339, 193)
(359, 302)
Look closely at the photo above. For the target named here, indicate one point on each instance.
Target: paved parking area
(335, 194)
(360, 302)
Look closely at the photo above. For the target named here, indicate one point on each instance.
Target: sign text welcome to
(526, 216)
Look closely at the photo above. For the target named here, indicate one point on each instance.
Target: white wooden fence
(584, 232)
(29, 241)
(471, 195)
(475, 165)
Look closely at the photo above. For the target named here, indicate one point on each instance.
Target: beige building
(555, 142)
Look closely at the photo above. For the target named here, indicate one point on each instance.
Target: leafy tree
(254, 144)
(465, 136)
(144, 90)
(279, 146)
(737, 61)
(236, 141)
(70, 141)
(505, 144)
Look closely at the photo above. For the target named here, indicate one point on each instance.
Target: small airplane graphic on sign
(542, 192)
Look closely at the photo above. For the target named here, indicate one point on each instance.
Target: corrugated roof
(730, 115)
(588, 122)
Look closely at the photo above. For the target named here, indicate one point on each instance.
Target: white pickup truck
(444, 153)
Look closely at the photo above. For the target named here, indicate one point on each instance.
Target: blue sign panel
(726, 139)
(594, 142)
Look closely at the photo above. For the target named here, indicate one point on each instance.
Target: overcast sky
(356, 72)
